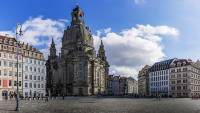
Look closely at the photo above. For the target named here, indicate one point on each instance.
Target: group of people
(195, 97)
(12, 95)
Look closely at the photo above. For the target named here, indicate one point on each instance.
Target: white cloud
(132, 48)
(39, 31)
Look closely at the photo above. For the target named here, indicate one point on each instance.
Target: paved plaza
(103, 105)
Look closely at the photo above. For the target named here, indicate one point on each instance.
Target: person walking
(63, 97)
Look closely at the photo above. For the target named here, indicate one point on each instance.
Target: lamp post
(20, 34)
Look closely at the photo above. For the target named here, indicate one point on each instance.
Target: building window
(34, 77)
(173, 82)
(42, 86)
(184, 74)
(184, 69)
(38, 77)
(178, 87)
(35, 69)
(5, 63)
(178, 81)
(30, 69)
(173, 70)
(30, 77)
(0, 72)
(30, 85)
(20, 65)
(26, 94)
(30, 60)
(20, 74)
(172, 76)
(10, 73)
(179, 76)
(42, 78)
(5, 72)
(34, 85)
(172, 88)
(10, 83)
(26, 85)
(26, 77)
(15, 65)
(38, 85)
(185, 81)
(179, 70)
(184, 87)
(10, 64)
(0, 62)
(4, 53)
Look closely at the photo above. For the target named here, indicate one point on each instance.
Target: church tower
(102, 56)
(101, 52)
(51, 66)
(53, 50)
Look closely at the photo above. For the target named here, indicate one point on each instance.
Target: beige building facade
(184, 78)
(8, 65)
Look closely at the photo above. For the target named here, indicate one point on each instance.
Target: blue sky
(118, 15)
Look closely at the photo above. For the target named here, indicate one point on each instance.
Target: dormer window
(10, 42)
(4, 41)
(179, 63)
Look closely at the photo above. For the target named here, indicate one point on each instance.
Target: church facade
(78, 70)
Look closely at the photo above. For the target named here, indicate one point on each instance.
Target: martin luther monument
(77, 71)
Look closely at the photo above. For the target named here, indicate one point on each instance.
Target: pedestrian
(159, 97)
(63, 97)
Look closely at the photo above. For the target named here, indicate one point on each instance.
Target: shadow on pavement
(5, 109)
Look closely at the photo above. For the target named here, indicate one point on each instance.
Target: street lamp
(20, 34)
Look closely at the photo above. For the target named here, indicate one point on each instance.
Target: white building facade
(34, 77)
(159, 78)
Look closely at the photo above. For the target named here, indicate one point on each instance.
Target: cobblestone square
(103, 105)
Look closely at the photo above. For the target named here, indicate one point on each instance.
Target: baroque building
(31, 69)
(184, 78)
(143, 81)
(122, 86)
(77, 70)
(175, 78)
